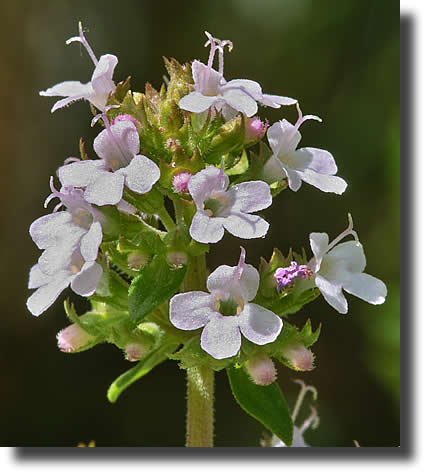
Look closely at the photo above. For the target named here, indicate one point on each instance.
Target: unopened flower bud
(181, 182)
(126, 117)
(136, 260)
(254, 130)
(261, 370)
(177, 258)
(73, 338)
(135, 351)
(299, 356)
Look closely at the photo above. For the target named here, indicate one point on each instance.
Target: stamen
(71, 159)
(302, 118)
(241, 264)
(59, 205)
(55, 193)
(81, 39)
(313, 421)
(304, 390)
(217, 44)
(349, 231)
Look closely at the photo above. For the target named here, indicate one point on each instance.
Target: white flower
(70, 240)
(340, 266)
(225, 313)
(120, 165)
(219, 208)
(212, 89)
(96, 91)
(315, 166)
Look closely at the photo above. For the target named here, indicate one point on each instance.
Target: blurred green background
(341, 60)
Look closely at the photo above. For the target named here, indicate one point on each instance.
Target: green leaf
(154, 358)
(155, 284)
(266, 404)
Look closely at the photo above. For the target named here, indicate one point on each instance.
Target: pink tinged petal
(225, 279)
(56, 258)
(365, 286)
(191, 310)
(197, 103)
(90, 242)
(45, 296)
(82, 173)
(221, 337)
(321, 161)
(85, 282)
(141, 174)
(120, 149)
(205, 229)
(349, 256)
(276, 101)
(259, 325)
(241, 101)
(67, 101)
(47, 230)
(326, 183)
(37, 277)
(251, 196)
(102, 82)
(273, 170)
(106, 190)
(283, 137)
(207, 81)
(294, 178)
(68, 89)
(246, 226)
(207, 182)
(319, 243)
(332, 293)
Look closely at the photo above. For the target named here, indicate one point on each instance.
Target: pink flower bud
(177, 258)
(73, 338)
(299, 356)
(181, 181)
(254, 130)
(261, 370)
(136, 260)
(135, 351)
(126, 117)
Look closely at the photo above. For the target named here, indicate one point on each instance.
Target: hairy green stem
(200, 380)
(200, 407)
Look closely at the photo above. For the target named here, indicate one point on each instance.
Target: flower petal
(251, 87)
(119, 149)
(101, 80)
(226, 280)
(259, 325)
(82, 173)
(207, 182)
(276, 101)
(319, 243)
(246, 226)
(37, 277)
(283, 137)
(241, 101)
(348, 256)
(207, 80)
(90, 242)
(321, 161)
(106, 190)
(294, 178)
(326, 183)
(70, 88)
(141, 174)
(365, 286)
(85, 282)
(205, 229)
(197, 103)
(48, 230)
(57, 258)
(273, 170)
(251, 196)
(45, 296)
(221, 337)
(191, 310)
(332, 293)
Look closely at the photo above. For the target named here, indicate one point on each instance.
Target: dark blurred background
(341, 60)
